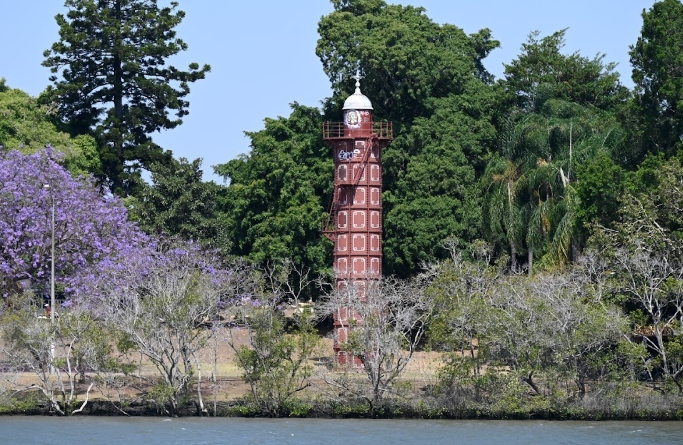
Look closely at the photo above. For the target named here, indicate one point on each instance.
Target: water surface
(196, 431)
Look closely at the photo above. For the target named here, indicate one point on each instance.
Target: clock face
(352, 119)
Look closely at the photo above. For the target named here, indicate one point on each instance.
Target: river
(38, 430)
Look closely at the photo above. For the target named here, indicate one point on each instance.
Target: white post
(52, 266)
(52, 277)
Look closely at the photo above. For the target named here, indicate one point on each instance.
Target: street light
(52, 262)
(52, 278)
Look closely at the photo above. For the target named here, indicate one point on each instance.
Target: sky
(262, 54)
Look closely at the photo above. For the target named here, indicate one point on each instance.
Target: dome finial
(357, 101)
(358, 77)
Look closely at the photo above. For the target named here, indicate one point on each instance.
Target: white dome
(357, 101)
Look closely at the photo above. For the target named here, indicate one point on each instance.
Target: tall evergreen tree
(430, 81)
(111, 79)
(657, 59)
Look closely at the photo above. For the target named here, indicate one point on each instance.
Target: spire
(357, 101)
(358, 77)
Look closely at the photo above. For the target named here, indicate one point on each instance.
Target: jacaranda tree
(88, 226)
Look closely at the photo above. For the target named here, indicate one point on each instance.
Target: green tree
(504, 183)
(275, 358)
(179, 203)
(563, 114)
(430, 81)
(431, 174)
(406, 57)
(657, 60)
(542, 72)
(275, 200)
(602, 182)
(28, 126)
(111, 80)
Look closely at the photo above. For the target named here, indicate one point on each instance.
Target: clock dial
(353, 118)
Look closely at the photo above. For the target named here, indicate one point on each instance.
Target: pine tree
(111, 80)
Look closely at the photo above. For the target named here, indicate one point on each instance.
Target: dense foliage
(112, 80)
(28, 126)
(88, 227)
(276, 199)
(179, 203)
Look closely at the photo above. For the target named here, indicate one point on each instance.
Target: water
(195, 431)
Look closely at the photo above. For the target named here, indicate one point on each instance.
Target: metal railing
(337, 130)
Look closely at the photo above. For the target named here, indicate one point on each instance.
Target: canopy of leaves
(275, 200)
(28, 126)
(111, 79)
(542, 72)
(406, 57)
(178, 202)
(562, 115)
(87, 226)
(657, 59)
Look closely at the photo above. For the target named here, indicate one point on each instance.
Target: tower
(354, 221)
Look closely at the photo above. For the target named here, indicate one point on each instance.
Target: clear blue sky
(262, 54)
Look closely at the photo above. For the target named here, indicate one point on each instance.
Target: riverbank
(418, 394)
(232, 398)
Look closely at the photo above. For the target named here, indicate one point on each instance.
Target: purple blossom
(89, 227)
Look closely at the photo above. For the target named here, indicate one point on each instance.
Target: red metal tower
(354, 221)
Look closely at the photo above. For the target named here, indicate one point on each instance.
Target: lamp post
(52, 277)
(52, 257)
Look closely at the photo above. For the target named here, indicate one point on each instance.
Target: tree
(179, 203)
(161, 298)
(28, 126)
(461, 291)
(275, 349)
(542, 72)
(503, 222)
(74, 346)
(386, 320)
(643, 249)
(431, 177)
(111, 80)
(88, 227)
(275, 201)
(562, 113)
(406, 57)
(657, 60)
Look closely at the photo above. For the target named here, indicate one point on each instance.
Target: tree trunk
(531, 262)
(530, 381)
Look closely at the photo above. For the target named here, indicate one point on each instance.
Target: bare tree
(56, 353)
(164, 303)
(462, 291)
(386, 322)
(272, 346)
(551, 324)
(648, 267)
